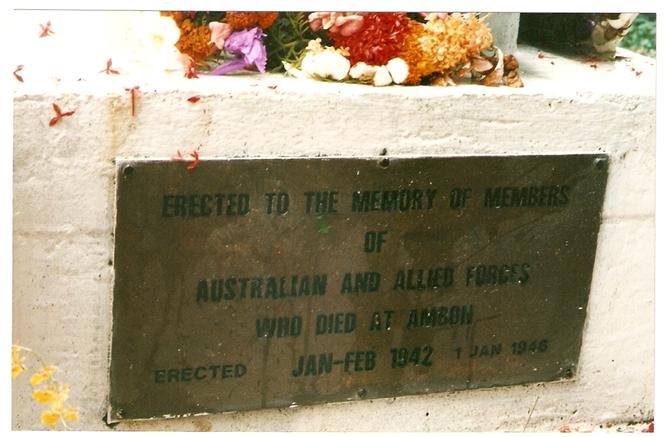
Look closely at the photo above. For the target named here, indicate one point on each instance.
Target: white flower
(399, 69)
(141, 43)
(382, 76)
(363, 72)
(326, 64)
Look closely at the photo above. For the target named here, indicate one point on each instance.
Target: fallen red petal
(58, 115)
(179, 157)
(191, 73)
(16, 75)
(194, 99)
(46, 30)
(132, 92)
(194, 164)
(649, 428)
(108, 69)
(541, 55)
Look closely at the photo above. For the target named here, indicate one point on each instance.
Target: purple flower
(248, 45)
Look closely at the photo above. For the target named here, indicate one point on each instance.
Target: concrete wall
(64, 216)
(505, 27)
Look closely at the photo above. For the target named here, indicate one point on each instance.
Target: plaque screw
(362, 393)
(384, 162)
(128, 171)
(599, 163)
(568, 372)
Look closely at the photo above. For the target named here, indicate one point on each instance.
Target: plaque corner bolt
(600, 163)
(113, 417)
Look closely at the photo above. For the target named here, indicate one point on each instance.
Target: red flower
(378, 40)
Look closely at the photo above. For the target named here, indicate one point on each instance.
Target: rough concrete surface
(64, 216)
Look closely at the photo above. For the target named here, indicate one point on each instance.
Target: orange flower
(247, 20)
(194, 40)
(443, 44)
(419, 63)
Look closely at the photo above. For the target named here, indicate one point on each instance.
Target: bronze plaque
(262, 283)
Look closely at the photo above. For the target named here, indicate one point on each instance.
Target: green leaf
(287, 39)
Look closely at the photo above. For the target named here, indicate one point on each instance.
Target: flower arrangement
(365, 47)
(46, 390)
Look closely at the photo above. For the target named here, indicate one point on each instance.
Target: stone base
(64, 215)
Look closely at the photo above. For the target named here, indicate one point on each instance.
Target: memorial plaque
(261, 283)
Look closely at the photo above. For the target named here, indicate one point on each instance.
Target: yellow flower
(46, 390)
(455, 40)
(63, 392)
(443, 44)
(71, 414)
(44, 396)
(42, 375)
(55, 395)
(50, 418)
(17, 361)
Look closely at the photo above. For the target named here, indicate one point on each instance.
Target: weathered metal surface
(378, 278)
